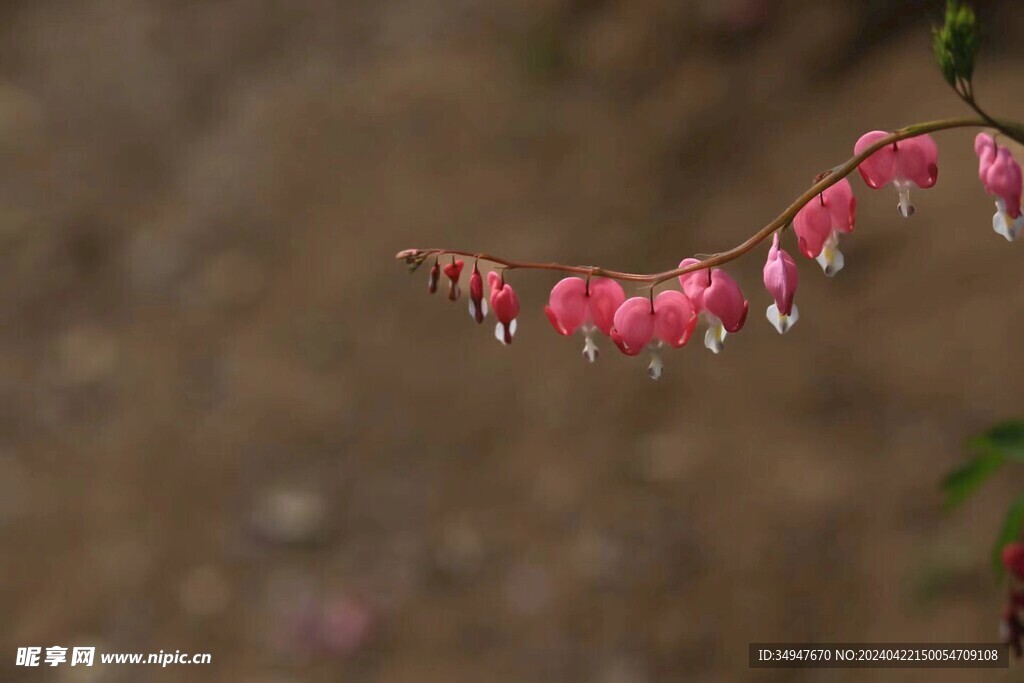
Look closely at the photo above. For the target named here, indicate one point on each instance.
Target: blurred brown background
(230, 423)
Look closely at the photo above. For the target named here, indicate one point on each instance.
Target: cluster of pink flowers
(598, 306)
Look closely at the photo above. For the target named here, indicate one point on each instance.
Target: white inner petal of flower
(590, 350)
(782, 323)
(1004, 225)
(499, 331)
(905, 208)
(657, 366)
(714, 338)
(831, 259)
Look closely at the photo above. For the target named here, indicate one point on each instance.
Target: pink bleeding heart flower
(820, 221)
(453, 270)
(1001, 175)
(505, 305)
(576, 303)
(780, 279)
(435, 275)
(640, 323)
(477, 302)
(913, 161)
(716, 297)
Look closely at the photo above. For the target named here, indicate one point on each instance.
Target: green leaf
(964, 480)
(1011, 532)
(994, 447)
(1006, 438)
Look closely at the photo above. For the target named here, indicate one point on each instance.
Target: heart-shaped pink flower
(576, 303)
(641, 323)
(820, 221)
(913, 161)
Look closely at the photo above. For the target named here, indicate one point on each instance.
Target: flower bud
(505, 305)
(955, 43)
(780, 279)
(435, 275)
(453, 270)
(477, 303)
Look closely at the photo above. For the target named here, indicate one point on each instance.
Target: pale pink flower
(780, 279)
(820, 221)
(913, 161)
(576, 303)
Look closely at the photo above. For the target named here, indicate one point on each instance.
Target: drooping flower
(505, 305)
(913, 161)
(641, 323)
(435, 275)
(576, 303)
(780, 279)
(477, 302)
(716, 296)
(1001, 175)
(820, 221)
(453, 270)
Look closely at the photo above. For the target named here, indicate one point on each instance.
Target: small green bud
(943, 55)
(956, 43)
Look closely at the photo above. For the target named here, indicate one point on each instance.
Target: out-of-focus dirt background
(230, 423)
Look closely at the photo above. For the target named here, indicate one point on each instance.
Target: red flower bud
(477, 302)
(435, 275)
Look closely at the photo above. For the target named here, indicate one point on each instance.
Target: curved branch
(415, 257)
